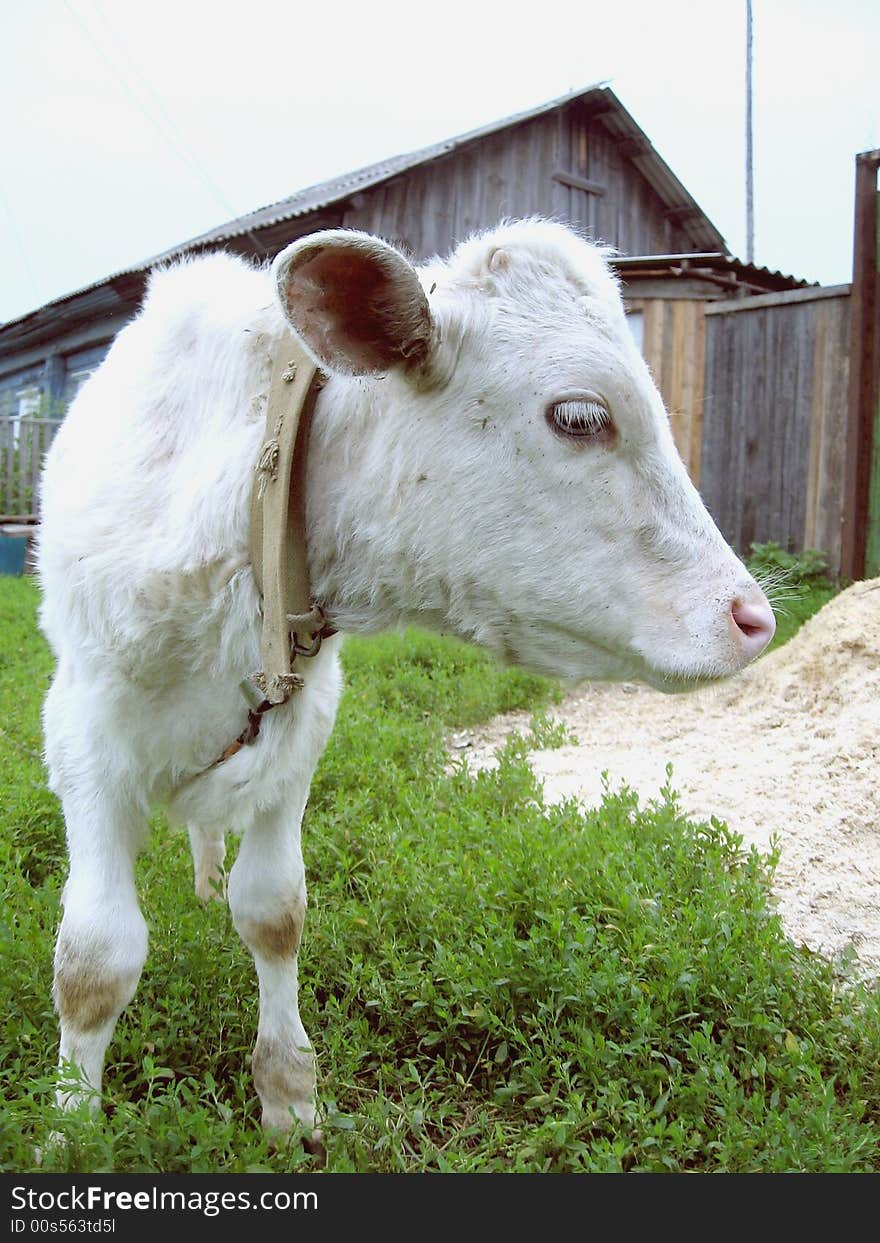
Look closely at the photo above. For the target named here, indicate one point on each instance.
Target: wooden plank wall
(511, 174)
(629, 214)
(774, 418)
(673, 344)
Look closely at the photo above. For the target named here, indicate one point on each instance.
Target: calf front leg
(208, 846)
(267, 897)
(102, 940)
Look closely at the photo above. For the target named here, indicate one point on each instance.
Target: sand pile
(790, 750)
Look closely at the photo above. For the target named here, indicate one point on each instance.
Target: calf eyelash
(579, 417)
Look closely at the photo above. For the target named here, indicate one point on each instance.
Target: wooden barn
(581, 159)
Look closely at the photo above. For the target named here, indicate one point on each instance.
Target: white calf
(489, 457)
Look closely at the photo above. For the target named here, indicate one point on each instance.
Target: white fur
(437, 495)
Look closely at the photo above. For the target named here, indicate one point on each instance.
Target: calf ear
(354, 301)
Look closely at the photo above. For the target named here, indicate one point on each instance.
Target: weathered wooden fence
(674, 343)
(23, 445)
(774, 420)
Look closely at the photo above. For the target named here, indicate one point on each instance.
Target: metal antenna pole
(750, 176)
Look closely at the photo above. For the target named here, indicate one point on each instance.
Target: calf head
(516, 457)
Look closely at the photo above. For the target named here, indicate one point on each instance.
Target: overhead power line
(150, 106)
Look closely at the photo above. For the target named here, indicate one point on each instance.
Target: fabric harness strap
(292, 625)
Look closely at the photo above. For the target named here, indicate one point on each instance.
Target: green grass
(491, 984)
(797, 584)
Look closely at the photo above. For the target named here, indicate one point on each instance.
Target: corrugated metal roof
(315, 198)
(704, 264)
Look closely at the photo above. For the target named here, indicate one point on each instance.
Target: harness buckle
(313, 623)
(300, 649)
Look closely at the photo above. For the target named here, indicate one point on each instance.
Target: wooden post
(863, 350)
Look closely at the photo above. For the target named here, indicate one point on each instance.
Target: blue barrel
(12, 553)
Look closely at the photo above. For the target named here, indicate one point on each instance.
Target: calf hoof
(55, 1146)
(212, 889)
(313, 1142)
(314, 1145)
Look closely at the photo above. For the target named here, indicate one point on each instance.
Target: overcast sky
(130, 127)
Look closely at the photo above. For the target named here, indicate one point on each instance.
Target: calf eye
(584, 418)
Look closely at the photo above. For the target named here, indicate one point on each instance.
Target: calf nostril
(755, 622)
(747, 627)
